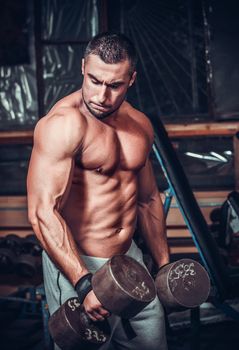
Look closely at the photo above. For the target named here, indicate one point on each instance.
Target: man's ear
(132, 79)
(83, 66)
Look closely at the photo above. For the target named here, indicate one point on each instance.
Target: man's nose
(102, 96)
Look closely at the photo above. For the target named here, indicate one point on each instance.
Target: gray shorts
(149, 324)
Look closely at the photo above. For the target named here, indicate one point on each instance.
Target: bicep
(49, 172)
(48, 176)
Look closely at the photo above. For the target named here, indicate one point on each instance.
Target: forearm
(152, 226)
(57, 240)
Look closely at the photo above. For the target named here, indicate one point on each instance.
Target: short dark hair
(112, 48)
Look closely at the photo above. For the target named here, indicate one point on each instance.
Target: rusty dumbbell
(71, 328)
(29, 261)
(182, 284)
(10, 248)
(122, 285)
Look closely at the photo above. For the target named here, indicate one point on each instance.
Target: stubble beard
(100, 115)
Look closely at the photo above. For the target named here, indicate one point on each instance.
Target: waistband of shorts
(93, 262)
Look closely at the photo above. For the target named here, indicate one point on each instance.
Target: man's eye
(114, 87)
(95, 82)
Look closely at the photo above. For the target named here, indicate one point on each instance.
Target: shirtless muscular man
(90, 182)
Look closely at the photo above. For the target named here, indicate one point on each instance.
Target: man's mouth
(101, 108)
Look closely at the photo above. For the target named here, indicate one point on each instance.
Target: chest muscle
(109, 150)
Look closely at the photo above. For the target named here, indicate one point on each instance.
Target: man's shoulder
(66, 117)
(66, 111)
(141, 119)
(61, 126)
(71, 100)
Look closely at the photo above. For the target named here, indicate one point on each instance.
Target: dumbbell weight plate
(182, 284)
(26, 265)
(32, 246)
(7, 260)
(71, 328)
(13, 242)
(123, 286)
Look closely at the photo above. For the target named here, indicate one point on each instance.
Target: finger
(95, 315)
(91, 317)
(103, 312)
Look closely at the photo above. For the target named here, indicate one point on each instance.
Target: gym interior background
(188, 77)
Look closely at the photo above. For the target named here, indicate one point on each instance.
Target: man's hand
(94, 308)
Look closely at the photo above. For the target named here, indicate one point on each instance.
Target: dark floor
(215, 331)
(218, 336)
(21, 328)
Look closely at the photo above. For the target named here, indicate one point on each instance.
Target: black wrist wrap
(83, 286)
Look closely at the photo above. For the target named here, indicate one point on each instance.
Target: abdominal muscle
(101, 212)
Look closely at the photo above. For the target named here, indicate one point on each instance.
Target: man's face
(105, 85)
